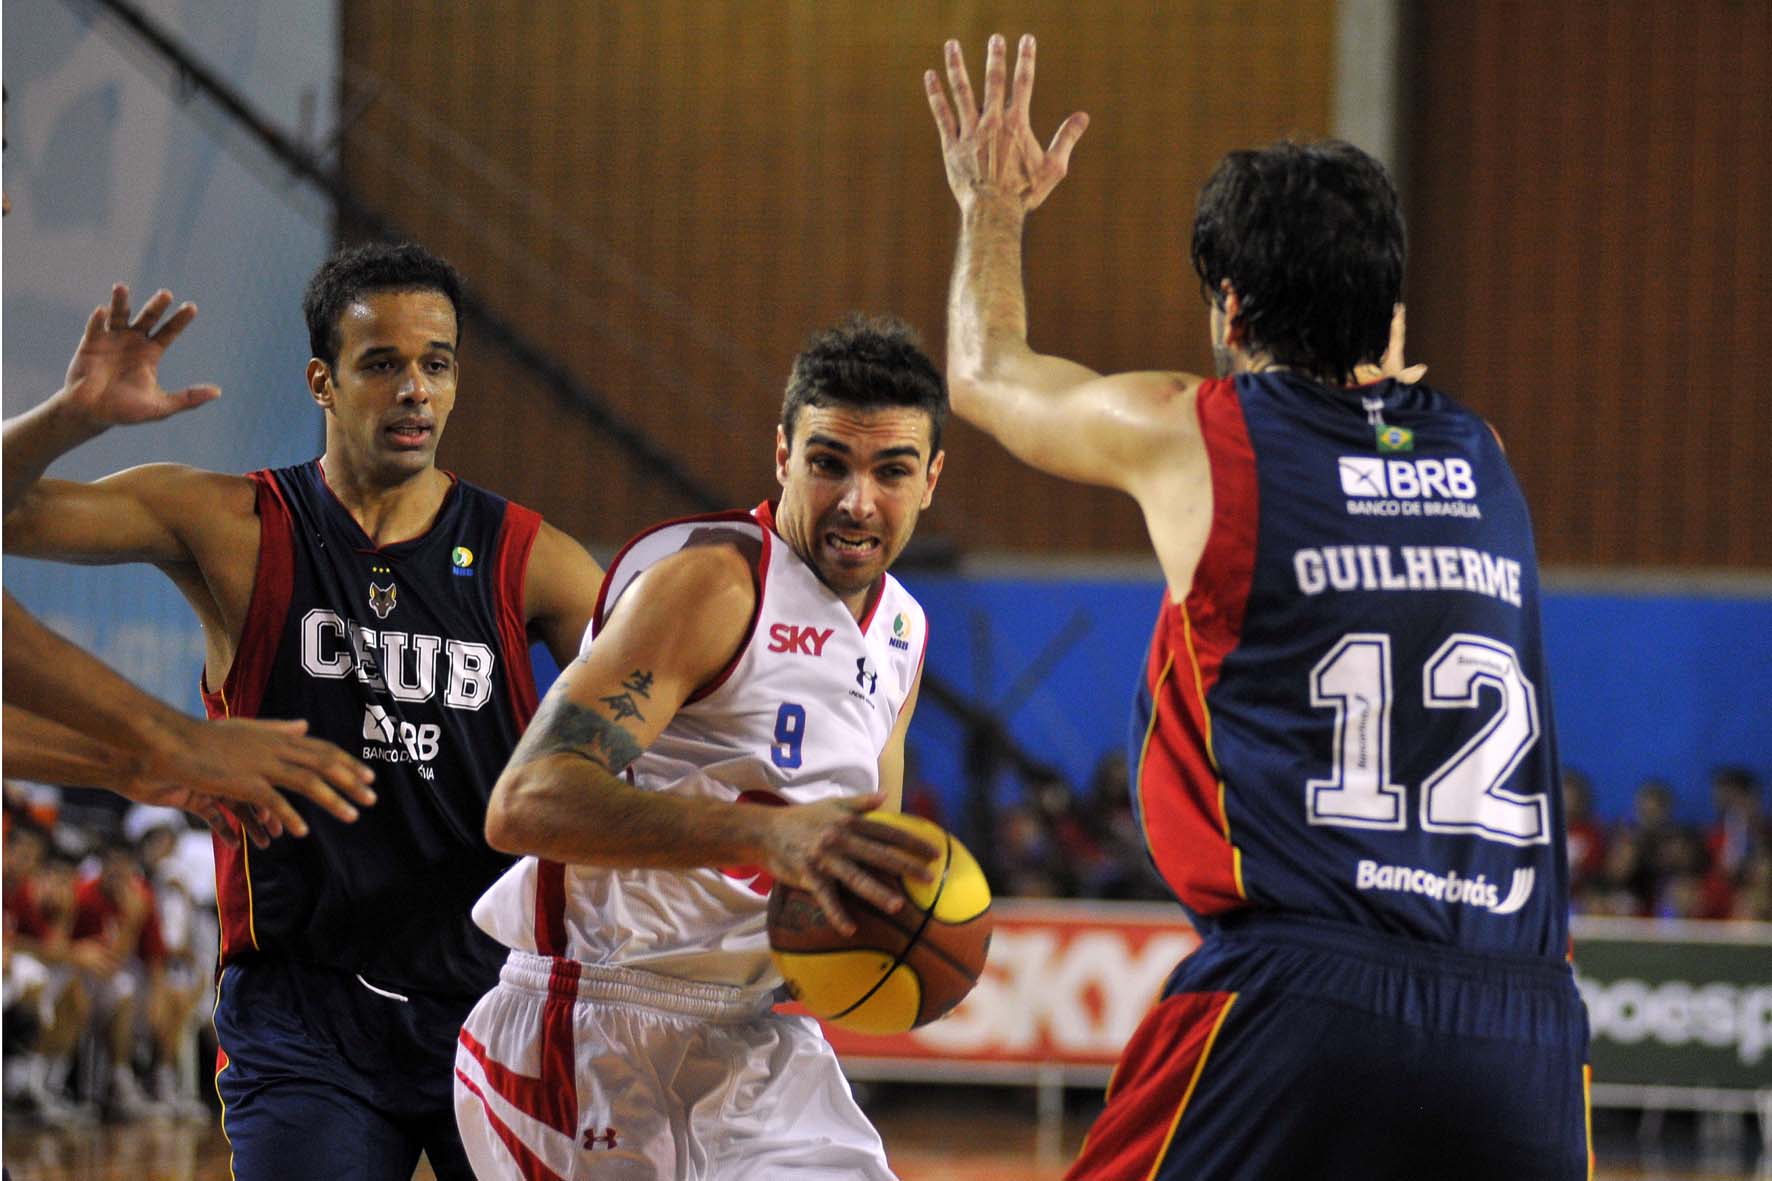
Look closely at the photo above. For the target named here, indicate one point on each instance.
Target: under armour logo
(864, 677)
(592, 1140)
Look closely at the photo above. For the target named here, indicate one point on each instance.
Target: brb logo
(807, 641)
(1408, 487)
(1407, 479)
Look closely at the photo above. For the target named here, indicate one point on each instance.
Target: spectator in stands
(117, 906)
(1626, 884)
(1741, 822)
(1030, 865)
(1654, 837)
(1753, 894)
(1681, 890)
(189, 936)
(1587, 842)
(46, 967)
(1123, 869)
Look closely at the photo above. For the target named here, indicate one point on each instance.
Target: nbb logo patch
(1407, 479)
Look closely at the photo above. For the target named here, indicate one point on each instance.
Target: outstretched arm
(70, 719)
(563, 796)
(113, 379)
(1055, 414)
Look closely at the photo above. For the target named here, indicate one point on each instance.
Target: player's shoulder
(702, 569)
(713, 560)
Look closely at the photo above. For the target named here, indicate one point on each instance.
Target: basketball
(898, 971)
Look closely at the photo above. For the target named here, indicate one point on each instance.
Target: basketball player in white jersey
(735, 661)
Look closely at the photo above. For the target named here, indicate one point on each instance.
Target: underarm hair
(562, 726)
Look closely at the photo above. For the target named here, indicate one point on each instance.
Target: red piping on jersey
(879, 593)
(243, 688)
(551, 1097)
(550, 907)
(759, 579)
(516, 538)
(1182, 797)
(243, 692)
(765, 516)
(530, 1166)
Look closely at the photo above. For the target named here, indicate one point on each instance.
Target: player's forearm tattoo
(565, 727)
(623, 705)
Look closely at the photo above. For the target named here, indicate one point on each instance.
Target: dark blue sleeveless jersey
(1348, 716)
(412, 657)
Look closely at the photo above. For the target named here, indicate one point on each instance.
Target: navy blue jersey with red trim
(1347, 717)
(413, 657)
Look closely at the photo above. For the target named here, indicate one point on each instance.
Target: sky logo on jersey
(461, 562)
(1450, 886)
(1394, 438)
(901, 633)
(791, 637)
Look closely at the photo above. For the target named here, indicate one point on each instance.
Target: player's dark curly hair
(866, 362)
(356, 271)
(1311, 238)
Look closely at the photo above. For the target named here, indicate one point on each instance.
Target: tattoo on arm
(564, 727)
(623, 705)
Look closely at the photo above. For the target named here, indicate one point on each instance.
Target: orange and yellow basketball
(898, 971)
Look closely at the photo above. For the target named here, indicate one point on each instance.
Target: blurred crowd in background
(110, 920)
(110, 947)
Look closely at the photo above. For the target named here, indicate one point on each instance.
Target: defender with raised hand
(391, 606)
(69, 719)
(1345, 766)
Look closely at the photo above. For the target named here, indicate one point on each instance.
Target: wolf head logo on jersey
(381, 599)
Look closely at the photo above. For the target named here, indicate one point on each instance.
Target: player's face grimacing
(853, 484)
(393, 385)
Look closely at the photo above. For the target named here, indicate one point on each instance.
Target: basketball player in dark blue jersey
(1345, 761)
(390, 605)
(69, 719)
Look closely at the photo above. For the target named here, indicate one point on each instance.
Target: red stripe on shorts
(551, 1097)
(531, 1166)
(1153, 1083)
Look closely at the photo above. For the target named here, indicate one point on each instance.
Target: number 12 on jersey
(1464, 795)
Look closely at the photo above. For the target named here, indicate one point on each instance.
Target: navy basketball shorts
(1293, 1048)
(322, 1075)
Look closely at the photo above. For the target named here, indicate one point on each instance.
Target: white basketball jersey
(802, 714)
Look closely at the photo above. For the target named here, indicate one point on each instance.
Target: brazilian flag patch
(1395, 438)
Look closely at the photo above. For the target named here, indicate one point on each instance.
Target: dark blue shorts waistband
(1396, 951)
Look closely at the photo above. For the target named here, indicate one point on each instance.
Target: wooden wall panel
(1591, 263)
(671, 194)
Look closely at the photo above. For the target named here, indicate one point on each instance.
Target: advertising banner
(1065, 986)
(1681, 1013)
(1677, 1004)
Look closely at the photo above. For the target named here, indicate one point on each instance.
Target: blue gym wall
(111, 179)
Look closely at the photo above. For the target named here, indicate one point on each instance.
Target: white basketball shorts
(575, 1072)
